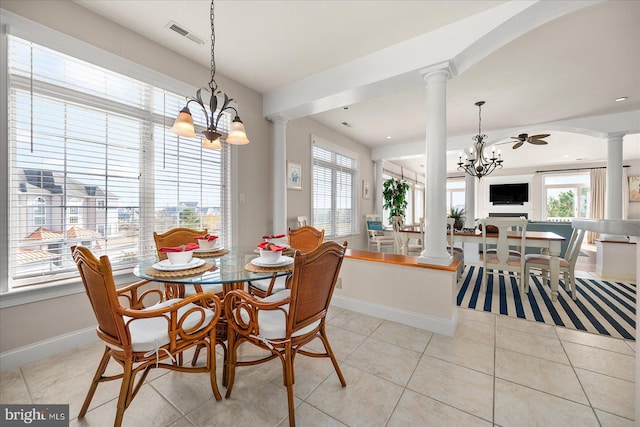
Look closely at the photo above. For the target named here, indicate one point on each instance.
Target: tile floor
(496, 370)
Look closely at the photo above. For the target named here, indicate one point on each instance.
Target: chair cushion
(374, 225)
(493, 259)
(272, 323)
(543, 260)
(263, 284)
(151, 334)
(211, 289)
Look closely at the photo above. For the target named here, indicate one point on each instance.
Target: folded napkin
(182, 248)
(207, 237)
(271, 236)
(269, 245)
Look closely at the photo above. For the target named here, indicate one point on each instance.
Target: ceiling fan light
(183, 126)
(237, 135)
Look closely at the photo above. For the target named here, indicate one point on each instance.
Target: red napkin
(183, 248)
(271, 236)
(269, 245)
(207, 237)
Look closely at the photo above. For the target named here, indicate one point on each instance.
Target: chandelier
(183, 125)
(475, 163)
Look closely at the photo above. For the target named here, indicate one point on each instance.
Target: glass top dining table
(226, 269)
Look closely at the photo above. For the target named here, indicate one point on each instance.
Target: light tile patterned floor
(495, 371)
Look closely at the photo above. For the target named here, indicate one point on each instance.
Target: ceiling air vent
(184, 32)
(347, 124)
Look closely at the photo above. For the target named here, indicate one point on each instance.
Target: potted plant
(459, 216)
(395, 197)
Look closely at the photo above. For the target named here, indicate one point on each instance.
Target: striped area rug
(603, 307)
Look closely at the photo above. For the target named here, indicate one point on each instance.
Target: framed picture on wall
(365, 189)
(294, 176)
(634, 188)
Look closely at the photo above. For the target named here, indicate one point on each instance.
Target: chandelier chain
(212, 83)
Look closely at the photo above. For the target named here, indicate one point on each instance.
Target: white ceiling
(571, 67)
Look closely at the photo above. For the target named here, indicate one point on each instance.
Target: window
(335, 177)
(39, 212)
(92, 161)
(567, 196)
(455, 195)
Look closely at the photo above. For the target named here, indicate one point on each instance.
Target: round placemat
(257, 269)
(211, 254)
(179, 273)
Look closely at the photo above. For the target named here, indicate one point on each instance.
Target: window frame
(20, 27)
(341, 151)
(574, 186)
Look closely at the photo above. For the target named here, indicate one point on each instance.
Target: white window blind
(335, 177)
(93, 162)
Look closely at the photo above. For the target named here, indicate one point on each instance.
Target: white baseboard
(15, 358)
(409, 318)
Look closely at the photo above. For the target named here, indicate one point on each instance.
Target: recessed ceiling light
(388, 136)
(566, 156)
(622, 98)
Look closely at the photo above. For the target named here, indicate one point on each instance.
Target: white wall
(535, 207)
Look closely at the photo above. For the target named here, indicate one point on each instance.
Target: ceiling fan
(533, 139)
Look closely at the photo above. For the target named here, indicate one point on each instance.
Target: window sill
(38, 293)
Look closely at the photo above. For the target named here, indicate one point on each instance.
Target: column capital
(446, 67)
(278, 118)
(615, 136)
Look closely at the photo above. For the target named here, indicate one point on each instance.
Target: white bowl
(269, 256)
(179, 257)
(206, 244)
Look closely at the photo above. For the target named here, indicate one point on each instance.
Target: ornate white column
(613, 196)
(469, 200)
(378, 200)
(435, 248)
(279, 174)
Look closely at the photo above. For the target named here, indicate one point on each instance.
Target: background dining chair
(567, 264)
(139, 338)
(502, 260)
(305, 239)
(176, 237)
(302, 221)
(377, 237)
(284, 322)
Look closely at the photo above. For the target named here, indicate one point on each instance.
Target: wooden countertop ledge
(408, 260)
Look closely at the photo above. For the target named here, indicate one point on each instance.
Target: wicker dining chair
(176, 237)
(305, 239)
(284, 322)
(141, 338)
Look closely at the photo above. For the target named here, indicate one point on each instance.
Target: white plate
(284, 260)
(165, 265)
(213, 249)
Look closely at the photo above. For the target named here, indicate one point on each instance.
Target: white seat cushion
(263, 284)
(210, 289)
(151, 334)
(543, 260)
(272, 323)
(493, 259)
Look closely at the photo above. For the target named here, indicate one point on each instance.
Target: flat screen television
(509, 194)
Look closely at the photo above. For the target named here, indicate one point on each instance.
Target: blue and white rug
(603, 307)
